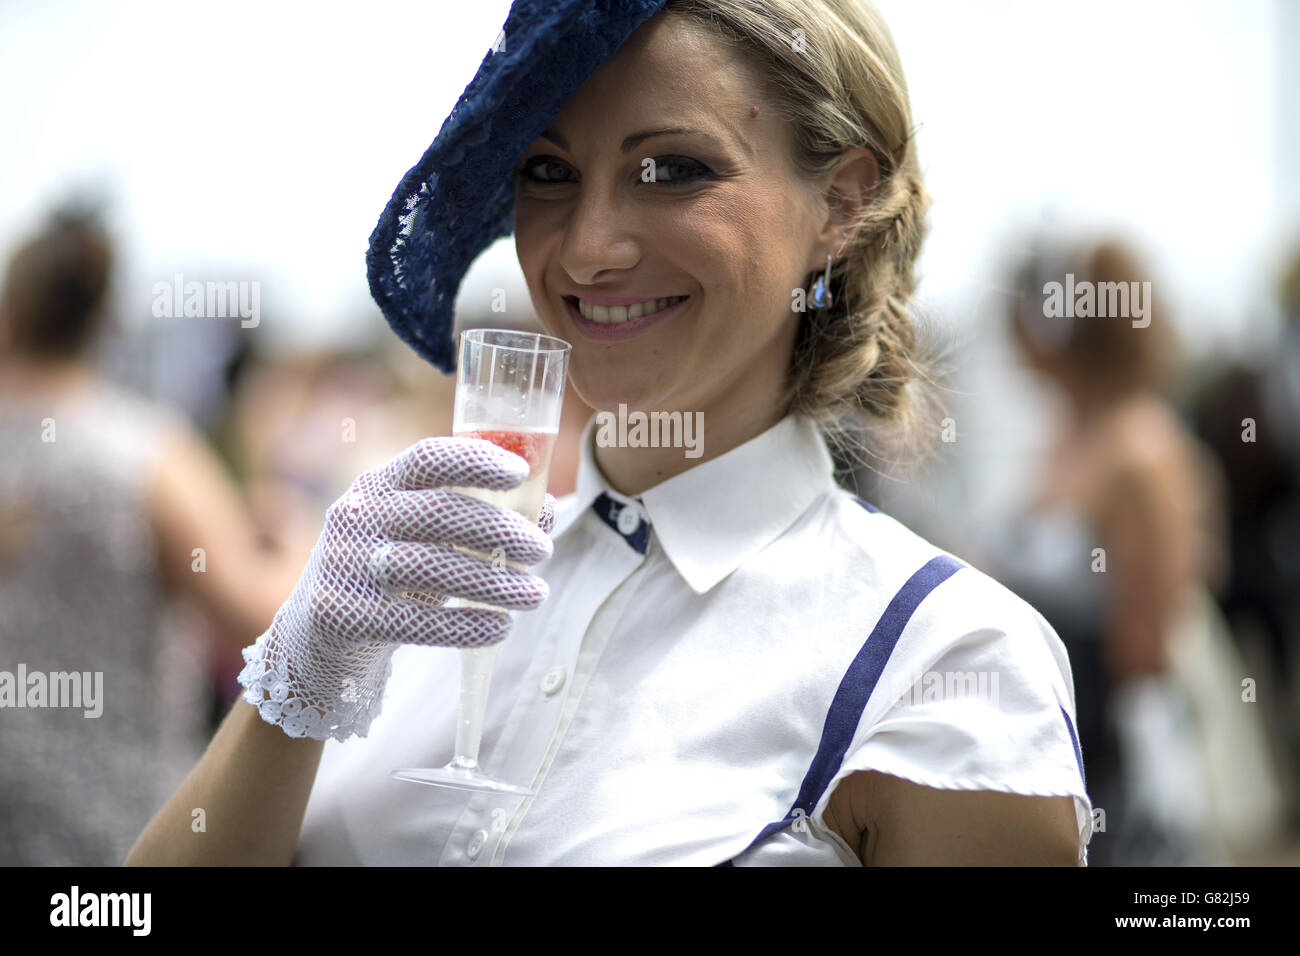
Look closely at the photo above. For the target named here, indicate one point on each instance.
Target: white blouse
(714, 657)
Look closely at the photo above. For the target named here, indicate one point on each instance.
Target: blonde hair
(832, 69)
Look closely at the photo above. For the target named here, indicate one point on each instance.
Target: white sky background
(266, 137)
(243, 140)
(261, 140)
(1160, 117)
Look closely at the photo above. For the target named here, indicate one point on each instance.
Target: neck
(1090, 402)
(742, 410)
(729, 412)
(26, 373)
(631, 470)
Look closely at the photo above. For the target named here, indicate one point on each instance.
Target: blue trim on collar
(608, 510)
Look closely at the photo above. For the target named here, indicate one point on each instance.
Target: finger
(427, 598)
(358, 570)
(468, 462)
(404, 566)
(353, 620)
(441, 516)
(461, 627)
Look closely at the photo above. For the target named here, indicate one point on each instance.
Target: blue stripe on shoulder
(856, 687)
(1074, 739)
(867, 504)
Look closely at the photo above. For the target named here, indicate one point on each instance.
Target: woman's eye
(678, 169)
(551, 170)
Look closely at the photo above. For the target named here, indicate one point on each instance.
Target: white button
(552, 681)
(476, 841)
(629, 519)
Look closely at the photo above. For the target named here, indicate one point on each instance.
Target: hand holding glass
(509, 390)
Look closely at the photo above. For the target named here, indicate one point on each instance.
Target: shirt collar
(713, 517)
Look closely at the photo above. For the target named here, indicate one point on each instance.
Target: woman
(735, 661)
(1122, 546)
(109, 507)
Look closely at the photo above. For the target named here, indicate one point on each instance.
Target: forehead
(671, 71)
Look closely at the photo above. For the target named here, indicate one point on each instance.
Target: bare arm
(195, 505)
(252, 785)
(253, 781)
(1152, 556)
(890, 821)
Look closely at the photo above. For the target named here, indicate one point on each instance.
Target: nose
(598, 237)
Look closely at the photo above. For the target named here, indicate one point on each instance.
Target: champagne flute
(509, 389)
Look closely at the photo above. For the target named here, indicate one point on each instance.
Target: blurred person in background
(109, 505)
(1250, 415)
(1120, 548)
(299, 424)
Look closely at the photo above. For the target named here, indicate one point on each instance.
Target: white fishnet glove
(376, 579)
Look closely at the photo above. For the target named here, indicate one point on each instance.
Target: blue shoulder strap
(855, 690)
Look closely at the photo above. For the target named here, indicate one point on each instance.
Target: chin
(605, 391)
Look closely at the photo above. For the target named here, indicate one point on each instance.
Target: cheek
(526, 244)
(750, 241)
(531, 251)
(535, 229)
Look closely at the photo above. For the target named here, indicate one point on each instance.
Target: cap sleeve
(977, 695)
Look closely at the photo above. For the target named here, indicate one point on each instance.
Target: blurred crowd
(150, 539)
(1133, 545)
(1160, 536)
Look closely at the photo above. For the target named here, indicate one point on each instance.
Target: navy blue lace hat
(459, 198)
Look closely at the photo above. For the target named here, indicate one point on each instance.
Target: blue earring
(821, 291)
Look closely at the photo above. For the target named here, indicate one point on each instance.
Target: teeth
(608, 315)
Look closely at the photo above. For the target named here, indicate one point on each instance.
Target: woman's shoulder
(962, 683)
(1144, 439)
(872, 544)
(103, 409)
(947, 600)
(854, 532)
(137, 407)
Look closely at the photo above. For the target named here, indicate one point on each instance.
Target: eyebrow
(631, 141)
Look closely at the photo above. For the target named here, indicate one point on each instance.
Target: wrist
(313, 699)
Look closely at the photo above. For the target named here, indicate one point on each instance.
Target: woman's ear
(856, 180)
(852, 188)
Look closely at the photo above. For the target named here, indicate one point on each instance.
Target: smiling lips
(612, 314)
